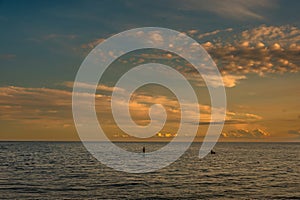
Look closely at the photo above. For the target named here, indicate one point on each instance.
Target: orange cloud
(245, 133)
(262, 50)
(100, 87)
(52, 109)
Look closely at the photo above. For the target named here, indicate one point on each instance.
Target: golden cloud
(53, 107)
(245, 133)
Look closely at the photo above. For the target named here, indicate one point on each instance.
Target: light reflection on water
(66, 170)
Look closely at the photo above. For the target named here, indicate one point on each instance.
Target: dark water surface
(57, 170)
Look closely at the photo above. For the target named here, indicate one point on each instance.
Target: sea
(66, 170)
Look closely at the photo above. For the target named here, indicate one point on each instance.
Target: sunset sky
(255, 44)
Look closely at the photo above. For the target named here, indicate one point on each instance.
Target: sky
(255, 45)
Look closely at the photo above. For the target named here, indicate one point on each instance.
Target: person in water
(144, 149)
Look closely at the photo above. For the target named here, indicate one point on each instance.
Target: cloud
(233, 118)
(226, 122)
(190, 73)
(53, 107)
(92, 44)
(261, 50)
(233, 9)
(198, 35)
(242, 116)
(7, 56)
(245, 133)
(100, 87)
(294, 132)
(229, 80)
(54, 36)
(156, 37)
(160, 135)
(271, 34)
(36, 106)
(232, 80)
(165, 135)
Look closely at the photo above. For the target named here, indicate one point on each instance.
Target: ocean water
(58, 170)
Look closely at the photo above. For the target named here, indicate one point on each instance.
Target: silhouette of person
(144, 149)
